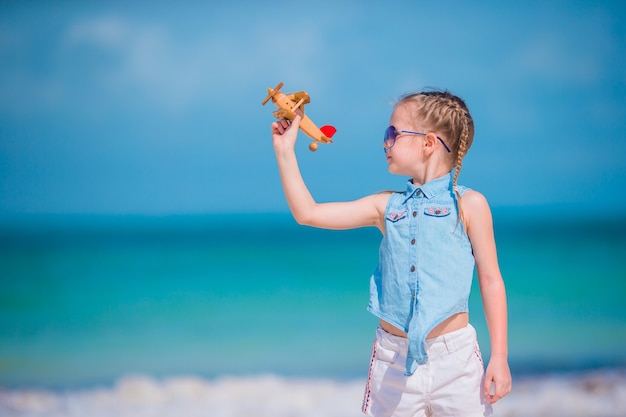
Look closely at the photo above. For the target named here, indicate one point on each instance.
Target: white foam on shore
(597, 394)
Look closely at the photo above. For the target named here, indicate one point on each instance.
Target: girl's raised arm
(367, 211)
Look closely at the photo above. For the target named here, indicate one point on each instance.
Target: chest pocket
(394, 216)
(438, 210)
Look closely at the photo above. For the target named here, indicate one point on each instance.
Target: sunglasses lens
(390, 137)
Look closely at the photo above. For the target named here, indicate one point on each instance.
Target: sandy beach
(592, 394)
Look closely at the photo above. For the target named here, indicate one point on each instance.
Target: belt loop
(451, 342)
(454, 340)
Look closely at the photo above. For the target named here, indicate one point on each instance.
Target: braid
(460, 154)
(447, 114)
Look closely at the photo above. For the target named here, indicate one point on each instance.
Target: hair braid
(447, 114)
(460, 154)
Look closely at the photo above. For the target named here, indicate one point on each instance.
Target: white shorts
(449, 384)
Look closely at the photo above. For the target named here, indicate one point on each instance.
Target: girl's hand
(285, 133)
(497, 375)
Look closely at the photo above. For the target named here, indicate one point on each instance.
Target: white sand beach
(593, 394)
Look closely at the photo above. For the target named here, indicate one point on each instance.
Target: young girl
(425, 359)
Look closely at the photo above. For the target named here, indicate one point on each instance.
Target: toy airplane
(288, 104)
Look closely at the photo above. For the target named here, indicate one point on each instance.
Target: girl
(425, 359)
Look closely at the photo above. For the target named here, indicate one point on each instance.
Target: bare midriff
(452, 323)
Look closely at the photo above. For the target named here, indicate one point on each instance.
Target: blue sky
(155, 108)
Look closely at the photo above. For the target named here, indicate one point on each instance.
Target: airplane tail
(328, 131)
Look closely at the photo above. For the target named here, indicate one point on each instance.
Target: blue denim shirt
(425, 268)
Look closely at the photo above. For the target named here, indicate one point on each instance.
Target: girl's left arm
(479, 224)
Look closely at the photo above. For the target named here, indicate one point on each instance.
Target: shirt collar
(430, 189)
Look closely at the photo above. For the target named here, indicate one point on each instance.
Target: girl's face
(406, 155)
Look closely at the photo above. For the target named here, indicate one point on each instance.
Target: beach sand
(591, 394)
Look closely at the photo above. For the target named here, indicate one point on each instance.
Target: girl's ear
(430, 143)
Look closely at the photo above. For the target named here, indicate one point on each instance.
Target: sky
(154, 108)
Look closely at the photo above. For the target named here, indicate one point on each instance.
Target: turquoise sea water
(86, 300)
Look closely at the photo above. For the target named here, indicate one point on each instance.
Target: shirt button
(414, 213)
(412, 241)
(413, 268)
(419, 192)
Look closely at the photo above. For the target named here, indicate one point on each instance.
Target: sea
(251, 314)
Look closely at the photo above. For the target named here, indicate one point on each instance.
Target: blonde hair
(447, 115)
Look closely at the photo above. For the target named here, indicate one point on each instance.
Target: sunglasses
(391, 134)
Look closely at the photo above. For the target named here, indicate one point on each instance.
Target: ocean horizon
(95, 301)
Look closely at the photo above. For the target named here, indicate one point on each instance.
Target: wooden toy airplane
(288, 104)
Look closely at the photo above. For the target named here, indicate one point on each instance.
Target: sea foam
(594, 394)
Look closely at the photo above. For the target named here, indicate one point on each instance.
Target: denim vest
(425, 266)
